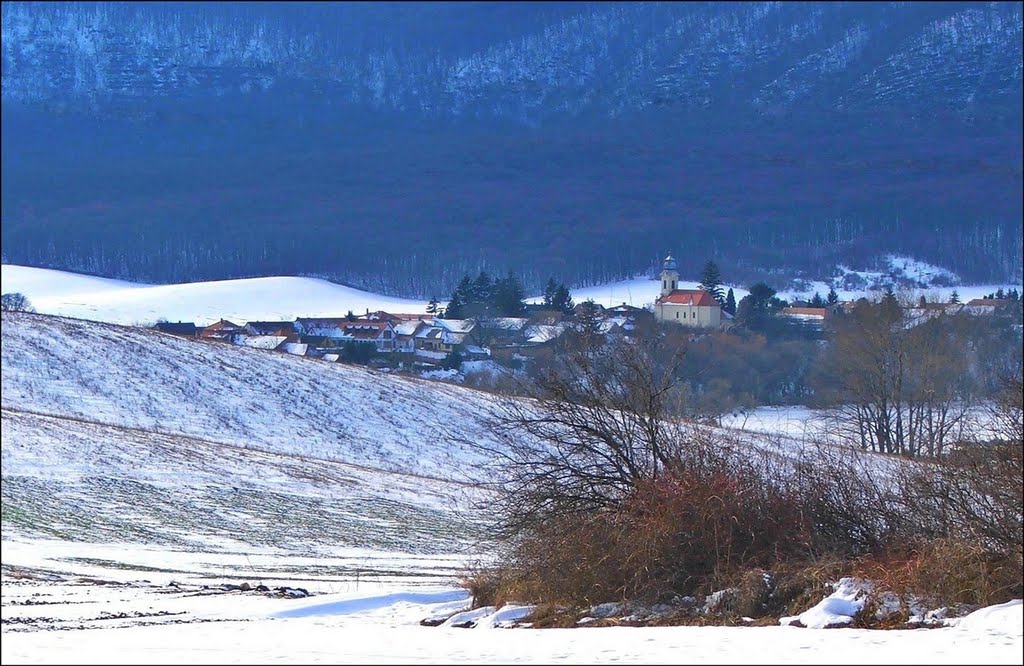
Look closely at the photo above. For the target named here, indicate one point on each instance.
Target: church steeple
(669, 276)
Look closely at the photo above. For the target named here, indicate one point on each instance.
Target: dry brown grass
(947, 572)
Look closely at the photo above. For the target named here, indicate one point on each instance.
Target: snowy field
(285, 298)
(57, 609)
(174, 501)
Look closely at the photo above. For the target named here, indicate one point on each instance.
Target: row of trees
(911, 390)
(999, 294)
(485, 297)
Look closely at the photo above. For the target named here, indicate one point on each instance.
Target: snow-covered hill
(122, 433)
(262, 299)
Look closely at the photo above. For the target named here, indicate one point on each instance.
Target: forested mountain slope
(396, 145)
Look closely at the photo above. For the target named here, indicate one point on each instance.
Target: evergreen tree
(465, 289)
(461, 297)
(730, 303)
(350, 316)
(922, 302)
(456, 306)
(562, 300)
(833, 297)
(453, 361)
(549, 292)
(588, 318)
(711, 281)
(507, 298)
(1014, 294)
(999, 293)
(432, 306)
(954, 297)
(889, 301)
(756, 309)
(483, 289)
(817, 301)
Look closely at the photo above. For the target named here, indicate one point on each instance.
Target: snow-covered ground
(140, 379)
(139, 468)
(240, 301)
(57, 610)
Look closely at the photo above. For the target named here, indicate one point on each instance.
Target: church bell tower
(669, 276)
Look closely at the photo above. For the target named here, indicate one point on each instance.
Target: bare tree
(598, 422)
(15, 302)
(899, 388)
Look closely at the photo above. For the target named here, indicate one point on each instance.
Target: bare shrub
(675, 534)
(975, 495)
(946, 572)
(605, 494)
(598, 421)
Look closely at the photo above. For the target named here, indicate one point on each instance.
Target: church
(688, 307)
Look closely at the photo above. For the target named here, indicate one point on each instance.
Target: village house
(329, 327)
(270, 327)
(805, 313)
(687, 307)
(181, 328)
(628, 316)
(222, 331)
(394, 318)
(329, 334)
(990, 305)
(379, 333)
(405, 335)
(432, 340)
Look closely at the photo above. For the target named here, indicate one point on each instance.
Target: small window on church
(677, 315)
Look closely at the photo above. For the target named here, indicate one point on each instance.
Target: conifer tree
(483, 289)
(954, 297)
(432, 306)
(549, 292)
(711, 281)
(562, 300)
(817, 301)
(589, 319)
(507, 298)
(833, 297)
(730, 303)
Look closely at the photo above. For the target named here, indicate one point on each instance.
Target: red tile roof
(365, 329)
(813, 312)
(689, 297)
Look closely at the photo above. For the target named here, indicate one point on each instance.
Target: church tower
(669, 276)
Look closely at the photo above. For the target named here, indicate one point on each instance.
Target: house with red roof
(686, 307)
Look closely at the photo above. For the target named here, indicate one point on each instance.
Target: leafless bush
(599, 421)
(606, 495)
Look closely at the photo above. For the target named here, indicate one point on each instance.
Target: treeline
(486, 297)
(900, 378)
(408, 214)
